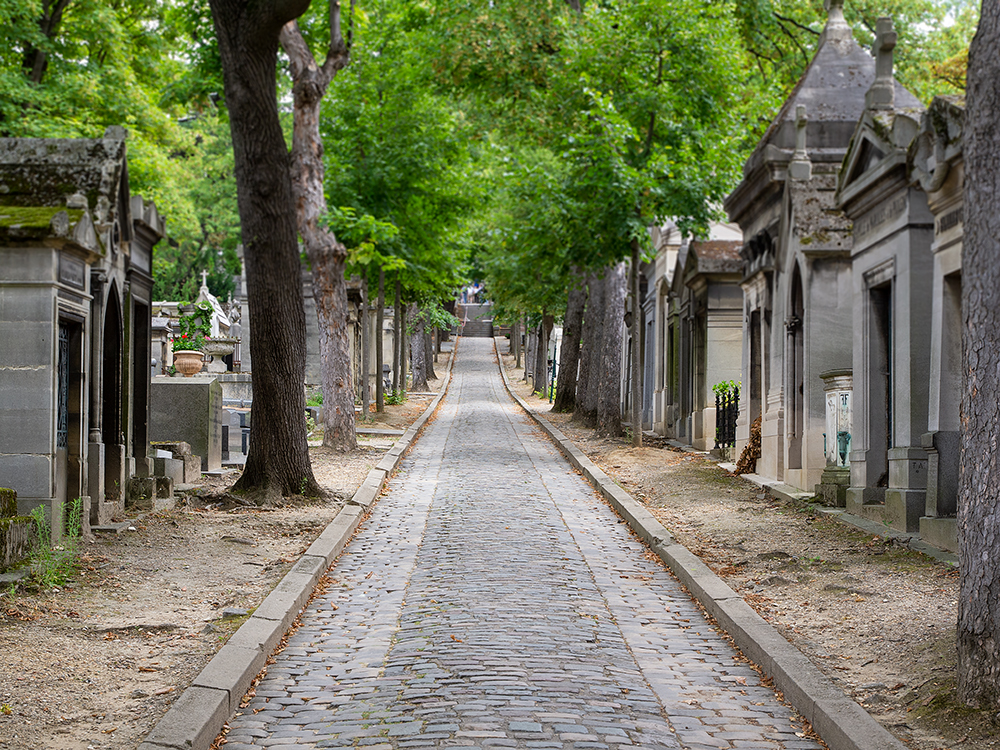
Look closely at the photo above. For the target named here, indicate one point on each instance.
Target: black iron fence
(727, 409)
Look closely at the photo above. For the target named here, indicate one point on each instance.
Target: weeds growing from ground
(54, 564)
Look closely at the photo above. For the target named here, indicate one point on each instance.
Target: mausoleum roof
(63, 187)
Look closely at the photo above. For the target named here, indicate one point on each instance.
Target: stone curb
(199, 713)
(841, 722)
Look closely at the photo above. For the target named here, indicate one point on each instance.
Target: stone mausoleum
(75, 281)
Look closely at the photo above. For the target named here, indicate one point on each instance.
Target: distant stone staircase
(476, 321)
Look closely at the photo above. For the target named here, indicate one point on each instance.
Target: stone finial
(836, 28)
(882, 93)
(800, 167)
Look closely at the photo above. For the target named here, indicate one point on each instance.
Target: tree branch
(338, 55)
(796, 24)
(300, 57)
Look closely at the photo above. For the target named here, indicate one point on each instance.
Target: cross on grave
(885, 41)
(882, 93)
(204, 279)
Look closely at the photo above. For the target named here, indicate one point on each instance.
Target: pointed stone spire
(800, 167)
(836, 29)
(882, 94)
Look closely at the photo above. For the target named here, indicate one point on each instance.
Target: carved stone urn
(188, 362)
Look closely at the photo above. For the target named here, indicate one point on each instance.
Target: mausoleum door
(795, 386)
(69, 414)
(140, 380)
(755, 374)
(880, 384)
(111, 401)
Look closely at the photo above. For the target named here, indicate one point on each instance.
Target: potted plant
(188, 347)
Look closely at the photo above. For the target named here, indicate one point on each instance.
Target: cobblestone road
(492, 600)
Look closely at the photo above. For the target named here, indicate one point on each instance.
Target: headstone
(189, 410)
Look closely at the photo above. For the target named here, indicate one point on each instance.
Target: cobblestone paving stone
(493, 600)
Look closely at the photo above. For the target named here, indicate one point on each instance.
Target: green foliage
(398, 153)
(726, 386)
(315, 399)
(394, 398)
(53, 565)
(196, 328)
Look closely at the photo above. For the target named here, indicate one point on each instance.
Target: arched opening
(795, 385)
(111, 397)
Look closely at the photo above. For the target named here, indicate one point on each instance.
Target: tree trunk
(418, 349)
(529, 354)
(590, 353)
(278, 459)
(538, 361)
(327, 256)
(569, 352)
(35, 61)
(397, 339)
(429, 352)
(637, 373)
(609, 408)
(379, 348)
(366, 353)
(515, 332)
(979, 473)
(542, 372)
(404, 347)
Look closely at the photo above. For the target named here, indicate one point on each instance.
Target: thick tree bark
(327, 256)
(587, 382)
(637, 373)
(379, 349)
(979, 474)
(418, 348)
(569, 352)
(609, 409)
(278, 459)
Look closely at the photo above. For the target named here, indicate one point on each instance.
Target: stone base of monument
(188, 410)
(149, 494)
(832, 489)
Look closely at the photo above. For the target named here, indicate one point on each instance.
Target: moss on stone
(8, 503)
(34, 217)
(17, 537)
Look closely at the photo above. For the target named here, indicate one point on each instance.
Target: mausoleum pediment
(879, 147)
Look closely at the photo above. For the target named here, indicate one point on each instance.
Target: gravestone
(189, 410)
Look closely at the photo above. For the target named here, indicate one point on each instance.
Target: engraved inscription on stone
(72, 272)
(879, 216)
(948, 221)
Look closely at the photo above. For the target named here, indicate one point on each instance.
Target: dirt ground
(95, 663)
(875, 617)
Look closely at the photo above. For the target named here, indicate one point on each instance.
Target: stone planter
(188, 362)
(218, 348)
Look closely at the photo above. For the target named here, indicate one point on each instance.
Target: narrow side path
(493, 600)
